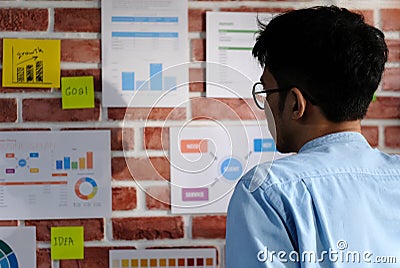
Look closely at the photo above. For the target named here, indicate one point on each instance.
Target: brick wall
(140, 220)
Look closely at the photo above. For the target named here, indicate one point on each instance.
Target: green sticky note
(67, 243)
(374, 98)
(77, 92)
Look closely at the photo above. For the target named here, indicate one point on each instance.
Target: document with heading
(55, 174)
(231, 69)
(145, 53)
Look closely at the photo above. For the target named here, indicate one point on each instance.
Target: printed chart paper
(200, 257)
(145, 54)
(17, 247)
(231, 69)
(207, 162)
(31, 63)
(55, 174)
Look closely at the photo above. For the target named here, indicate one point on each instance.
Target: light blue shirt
(334, 204)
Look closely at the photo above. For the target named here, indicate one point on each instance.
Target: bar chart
(155, 82)
(81, 163)
(30, 73)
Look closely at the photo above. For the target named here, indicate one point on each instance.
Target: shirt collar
(338, 137)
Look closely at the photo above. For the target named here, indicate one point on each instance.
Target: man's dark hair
(329, 53)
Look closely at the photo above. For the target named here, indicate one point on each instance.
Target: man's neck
(314, 131)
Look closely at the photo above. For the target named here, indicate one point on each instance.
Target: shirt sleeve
(255, 233)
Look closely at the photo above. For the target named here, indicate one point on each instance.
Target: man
(336, 202)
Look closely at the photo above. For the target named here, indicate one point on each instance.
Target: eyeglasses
(260, 94)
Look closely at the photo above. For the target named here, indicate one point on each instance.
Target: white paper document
(60, 174)
(18, 247)
(231, 69)
(207, 162)
(144, 53)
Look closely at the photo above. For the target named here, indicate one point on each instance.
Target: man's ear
(299, 104)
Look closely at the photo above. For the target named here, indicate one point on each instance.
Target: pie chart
(8, 259)
(87, 183)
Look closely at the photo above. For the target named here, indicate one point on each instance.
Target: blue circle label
(22, 162)
(231, 169)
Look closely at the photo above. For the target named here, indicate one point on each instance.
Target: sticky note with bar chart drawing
(31, 63)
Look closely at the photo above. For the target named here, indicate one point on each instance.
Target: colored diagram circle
(231, 169)
(21, 163)
(8, 259)
(85, 181)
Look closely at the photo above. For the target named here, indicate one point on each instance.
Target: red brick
(95, 257)
(254, 9)
(209, 227)
(368, 16)
(197, 20)
(197, 80)
(16, 19)
(96, 73)
(371, 134)
(384, 108)
(50, 110)
(156, 138)
(392, 136)
(394, 50)
(390, 19)
(198, 49)
(149, 228)
(77, 20)
(153, 168)
(121, 139)
(146, 113)
(43, 258)
(73, 50)
(8, 110)
(229, 109)
(158, 198)
(391, 79)
(8, 223)
(123, 198)
(93, 228)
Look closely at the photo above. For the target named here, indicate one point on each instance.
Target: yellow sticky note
(77, 92)
(67, 243)
(31, 63)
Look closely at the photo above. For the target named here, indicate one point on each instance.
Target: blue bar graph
(59, 164)
(142, 85)
(155, 76)
(156, 81)
(67, 162)
(169, 83)
(128, 81)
